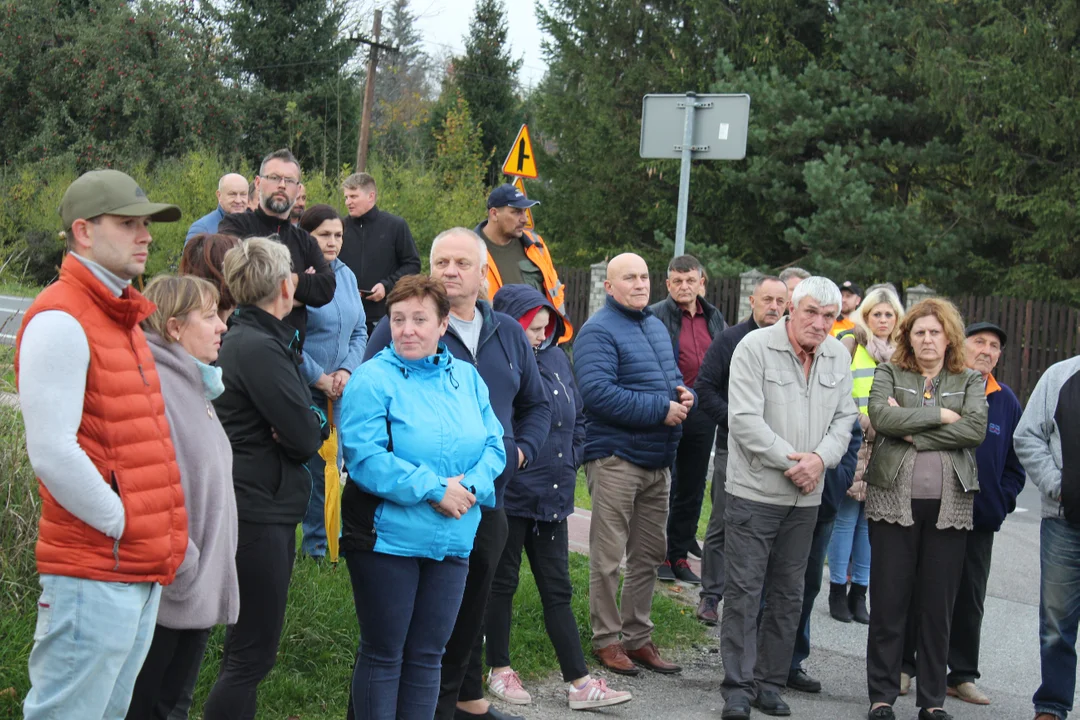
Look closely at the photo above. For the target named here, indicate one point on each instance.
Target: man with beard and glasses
(767, 305)
(277, 186)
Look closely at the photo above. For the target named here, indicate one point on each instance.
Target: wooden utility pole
(369, 91)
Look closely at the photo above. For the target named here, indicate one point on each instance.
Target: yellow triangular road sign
(520, 185)
(521, 161)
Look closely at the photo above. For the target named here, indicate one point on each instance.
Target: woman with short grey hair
(267, 413)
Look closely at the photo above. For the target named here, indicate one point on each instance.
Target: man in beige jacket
(790, 415)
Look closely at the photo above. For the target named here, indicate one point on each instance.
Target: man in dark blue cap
(517, 256)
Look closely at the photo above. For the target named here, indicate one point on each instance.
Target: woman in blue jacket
(538, 500)
(422, 448)
(333, 348)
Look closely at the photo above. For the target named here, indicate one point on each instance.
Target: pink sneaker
(507, 687)
(596, 694)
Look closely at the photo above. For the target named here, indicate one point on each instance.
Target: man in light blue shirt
(232, 197)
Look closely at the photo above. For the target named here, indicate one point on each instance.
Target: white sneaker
(596, 694)
(507, 687)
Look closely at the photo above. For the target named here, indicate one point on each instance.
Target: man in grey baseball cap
(113, 526)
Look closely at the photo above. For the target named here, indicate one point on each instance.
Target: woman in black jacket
(537, 502)
(266, 412)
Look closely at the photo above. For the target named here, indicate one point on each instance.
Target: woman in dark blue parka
(538, 501)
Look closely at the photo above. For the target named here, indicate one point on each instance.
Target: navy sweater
(1001, 477)
(544, 490)
(838, 479)
(507, 365)
(627, 373)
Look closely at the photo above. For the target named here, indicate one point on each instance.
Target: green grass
(7, 366)
(17, 288)
(583, 500)
(318, 643)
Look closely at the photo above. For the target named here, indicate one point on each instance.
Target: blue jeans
(314, 541)
(406, 607)
(1059, 613)
(850, 541)
(90, 641)
(815, 567)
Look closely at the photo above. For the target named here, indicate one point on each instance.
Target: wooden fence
(1040, 333)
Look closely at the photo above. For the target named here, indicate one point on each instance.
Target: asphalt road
(1009, 657)
(11, 315)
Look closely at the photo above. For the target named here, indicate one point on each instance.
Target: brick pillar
(597, 294)
(916, 294)
(747, 281)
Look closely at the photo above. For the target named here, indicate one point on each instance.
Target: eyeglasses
(277, 180)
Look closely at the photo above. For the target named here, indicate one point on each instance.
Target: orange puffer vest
(125, 434)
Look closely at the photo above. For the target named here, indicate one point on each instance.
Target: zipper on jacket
(565, 392)
(116, 542)
(138, 361)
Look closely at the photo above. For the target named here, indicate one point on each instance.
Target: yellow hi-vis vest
(862, 375)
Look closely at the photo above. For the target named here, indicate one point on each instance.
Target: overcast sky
(444, 23)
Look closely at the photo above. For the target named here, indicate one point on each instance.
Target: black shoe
(770, 703)
(885, 712)
(934, 715)
(683, 572)
(838, 606)
(493, 713)
(737, 707)
(665, 573)
(856, 602)
(797, 679)
(695, 549)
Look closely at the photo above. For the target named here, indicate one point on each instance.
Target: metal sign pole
(684, 175)
(720, 129)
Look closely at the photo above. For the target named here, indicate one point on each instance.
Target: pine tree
(291, 57)
(599, 196)
(486, 77)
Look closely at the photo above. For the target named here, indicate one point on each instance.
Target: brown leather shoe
(614, 658)
(649, 657)
(1046, 716)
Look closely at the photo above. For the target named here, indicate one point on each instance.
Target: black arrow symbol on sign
(522, 157)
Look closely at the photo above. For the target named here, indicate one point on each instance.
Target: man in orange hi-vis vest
(517, 256)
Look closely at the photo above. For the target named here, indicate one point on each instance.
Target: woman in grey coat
(184, 335)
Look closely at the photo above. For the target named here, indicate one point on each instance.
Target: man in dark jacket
(378, 246)
(1001, 478)
(635, 403)
(767, 304)
(692, 324)
(837, 482)
(538, 502)
(496, 345)
(277, 185)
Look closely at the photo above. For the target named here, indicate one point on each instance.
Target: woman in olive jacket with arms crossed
(930, 414)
